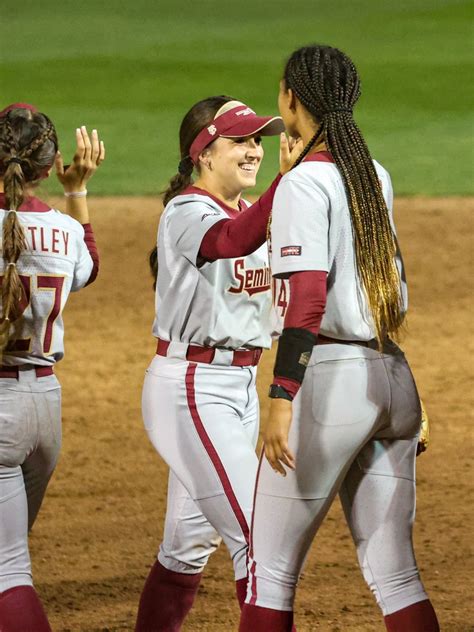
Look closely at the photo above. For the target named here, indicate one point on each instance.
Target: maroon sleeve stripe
(242, 235)
(89, 240)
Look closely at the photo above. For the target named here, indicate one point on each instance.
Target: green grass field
(132, 68)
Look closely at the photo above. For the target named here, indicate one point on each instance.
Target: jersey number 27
(44, 282)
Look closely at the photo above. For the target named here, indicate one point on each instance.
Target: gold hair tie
(11, 263)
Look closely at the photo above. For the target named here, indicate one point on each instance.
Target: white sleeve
(387, 191)
(299, 228)
(83, 265)
(187, 223)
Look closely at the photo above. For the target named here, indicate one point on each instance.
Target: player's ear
(292, 99)
(45, 173)
(288, 97)
(205, 158)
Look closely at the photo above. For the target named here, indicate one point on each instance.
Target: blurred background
(133, 68)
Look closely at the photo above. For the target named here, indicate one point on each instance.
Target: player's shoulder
(35, 211)
(382, 173)
(57, 219)
(317, 171)
(192, 202)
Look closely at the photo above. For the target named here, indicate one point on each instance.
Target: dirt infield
(102, 518)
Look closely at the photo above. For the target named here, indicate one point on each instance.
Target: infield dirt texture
(132, 69)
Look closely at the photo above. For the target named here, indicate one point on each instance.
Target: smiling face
(232, 164)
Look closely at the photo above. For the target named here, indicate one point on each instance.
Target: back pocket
(14, 428)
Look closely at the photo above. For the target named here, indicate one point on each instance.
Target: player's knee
(192, 560)
(239, 561)
(397, 589)
(271, 587)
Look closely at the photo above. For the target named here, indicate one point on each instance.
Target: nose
(254, 150)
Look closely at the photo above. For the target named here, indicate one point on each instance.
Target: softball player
(45, 255)
(213, 301)
(355, 417)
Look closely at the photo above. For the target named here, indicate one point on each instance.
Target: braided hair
(28, 145)
(327, 84)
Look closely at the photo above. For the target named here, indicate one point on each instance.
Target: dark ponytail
(327, 84)
(28, 145)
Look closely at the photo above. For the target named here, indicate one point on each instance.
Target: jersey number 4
(48, 283)
(282, 299)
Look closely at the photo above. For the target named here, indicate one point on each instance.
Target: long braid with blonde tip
(326, 82)
(28, 145)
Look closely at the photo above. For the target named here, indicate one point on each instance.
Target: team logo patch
(291, 251)
(305, 358)
(212, 129)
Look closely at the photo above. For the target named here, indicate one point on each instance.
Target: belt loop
(177, 350)
(223, 357)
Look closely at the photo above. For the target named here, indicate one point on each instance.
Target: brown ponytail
(28, 145)
(178, 183)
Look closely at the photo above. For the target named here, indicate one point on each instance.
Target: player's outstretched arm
(243, 235)
(90, 153)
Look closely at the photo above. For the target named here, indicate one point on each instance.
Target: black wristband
(279, 392)
(294, 351)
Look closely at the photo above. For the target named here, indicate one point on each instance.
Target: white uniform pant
(30, 441)
(203, 420)
(354, 432)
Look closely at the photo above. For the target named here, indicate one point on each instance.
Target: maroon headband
(238, 122)
(20, 106)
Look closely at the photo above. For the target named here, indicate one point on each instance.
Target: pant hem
(400, 604)
(178, 567)
(7, 584)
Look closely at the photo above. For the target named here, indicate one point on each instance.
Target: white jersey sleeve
(387, 190)
(83, 264)
(300, 225)
(188, 221)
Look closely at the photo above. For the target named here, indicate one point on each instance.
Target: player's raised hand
(275, 436)
(90, 152)
(290, 149)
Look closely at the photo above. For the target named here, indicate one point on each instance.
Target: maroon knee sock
(166, 599)
(419, 617)
(258, 619)
(21, 611)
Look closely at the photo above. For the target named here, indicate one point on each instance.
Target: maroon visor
(236, 121)
(19, 106)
